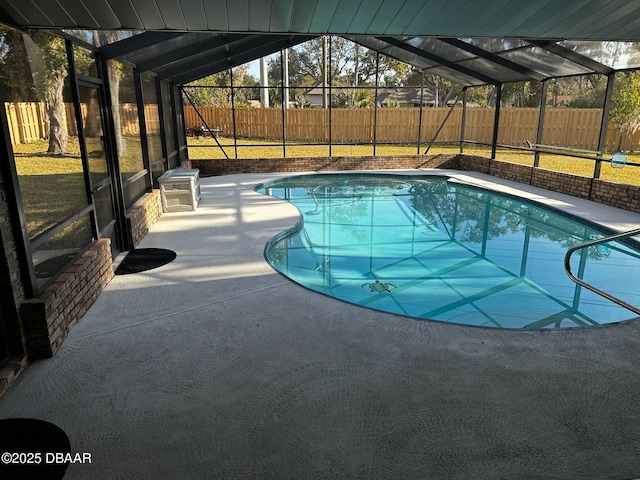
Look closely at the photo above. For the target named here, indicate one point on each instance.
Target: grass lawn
(207, 149)
(52, 187)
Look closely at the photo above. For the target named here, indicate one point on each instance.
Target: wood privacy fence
(564, 127)
(28, 120)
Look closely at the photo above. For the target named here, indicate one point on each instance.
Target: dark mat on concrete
(32, 449)
(143, 259)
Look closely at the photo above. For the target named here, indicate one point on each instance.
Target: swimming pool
(432, 248)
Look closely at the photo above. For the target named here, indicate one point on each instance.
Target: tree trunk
(114, 86)
(54, 103)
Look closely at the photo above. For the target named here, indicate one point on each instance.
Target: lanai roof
(467, 41)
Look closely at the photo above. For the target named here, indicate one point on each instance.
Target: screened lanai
(216, 365)
(504, 44)
(128, 63)
(180, 58)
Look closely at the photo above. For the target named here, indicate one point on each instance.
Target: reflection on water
(429, 248)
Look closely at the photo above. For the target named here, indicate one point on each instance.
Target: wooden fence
(28, 120)
(564, 127)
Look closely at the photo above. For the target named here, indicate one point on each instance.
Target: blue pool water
(431, 248)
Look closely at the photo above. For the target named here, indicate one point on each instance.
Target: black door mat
(143, 259)
(33, 449)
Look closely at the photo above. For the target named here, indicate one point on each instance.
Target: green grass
(52, 187)
(207, 149)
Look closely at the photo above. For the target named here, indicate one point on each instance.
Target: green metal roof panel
(171, 14)
(548, 19)
(126, 14)
(384, 16)
(95, 15)
(216, 15)
(480, 12)
(302, 15)
(81, 15)
(343, 16)
(321, 18)
(468, 41)
(54, 14)
(28, 11)
(194, 14)
(238, 16)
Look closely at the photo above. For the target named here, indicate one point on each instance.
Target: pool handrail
(590, 243)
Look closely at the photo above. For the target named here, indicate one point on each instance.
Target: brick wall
(49, 318)
(143, 215)
(626, 197)
(511, 171)
(473, 163)
(561, 182)
(223, 167)
(619, 195)
(12, 293)
(37, 327)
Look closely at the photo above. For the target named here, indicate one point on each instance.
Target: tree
(390, 72)
(15, 74)
(353, 98)
(201, 93)
(47, 57)
(444, 90)
(306, 67)
(521, 94)
(625, 104)
(350, 65)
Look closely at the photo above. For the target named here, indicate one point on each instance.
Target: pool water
(431, 248)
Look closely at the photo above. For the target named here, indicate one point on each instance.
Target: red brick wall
(223, 167)
(561, 182)
(473, 163)
(617, 195)
(626, 197)
(511, 171)
(12, 291)
(49, 318)
(143, 215)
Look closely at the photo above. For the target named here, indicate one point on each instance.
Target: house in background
(386, 96)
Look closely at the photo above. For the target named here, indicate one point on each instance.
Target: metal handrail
(608, 296)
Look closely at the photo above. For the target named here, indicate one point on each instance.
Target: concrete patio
(217, 367)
